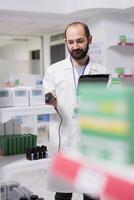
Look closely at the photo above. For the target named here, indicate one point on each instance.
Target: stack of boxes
(11, 141)
(17, 144)
(22, 96)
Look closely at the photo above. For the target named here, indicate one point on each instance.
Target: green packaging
(18, 151)
(106, 123)
(30, 137)
(34, 140)
(14, 144)
(25, 142)
(4, 145)
(10, 144)
(22, 144)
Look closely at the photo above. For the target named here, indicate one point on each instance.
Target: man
(61, 80)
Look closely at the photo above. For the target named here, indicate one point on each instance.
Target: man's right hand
(50, 99)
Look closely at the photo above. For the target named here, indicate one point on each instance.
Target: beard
(78, 54)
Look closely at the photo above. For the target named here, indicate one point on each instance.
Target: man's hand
(50, 99)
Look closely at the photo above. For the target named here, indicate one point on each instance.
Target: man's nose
(75, 45)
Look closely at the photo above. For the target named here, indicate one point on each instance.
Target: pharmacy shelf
(12, 165)
(8, 113)
(125, 46)
(95, 177)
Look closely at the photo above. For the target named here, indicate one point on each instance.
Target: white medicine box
(20, 96)
(5, 97)
(36, 96)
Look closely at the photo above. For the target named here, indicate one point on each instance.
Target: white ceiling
(23, 24)
(37, 23)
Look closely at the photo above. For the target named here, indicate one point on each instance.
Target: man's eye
(70, 42)
(80, 41)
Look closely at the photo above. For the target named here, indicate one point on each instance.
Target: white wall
(20, 50)
(128, 3)
(46, 50)
(15, 58)
(123, 56)
(106, 28)
(98, 32)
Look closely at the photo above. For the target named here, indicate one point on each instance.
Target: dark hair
(85, 27)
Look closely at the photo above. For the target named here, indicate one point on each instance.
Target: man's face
(77, 42)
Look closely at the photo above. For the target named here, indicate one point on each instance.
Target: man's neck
(81, 62)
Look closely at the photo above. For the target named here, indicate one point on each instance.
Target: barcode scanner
(49, 98)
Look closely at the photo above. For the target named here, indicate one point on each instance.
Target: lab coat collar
(69, 65)
(91, 68)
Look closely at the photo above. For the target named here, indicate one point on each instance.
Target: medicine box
(20, 96)
(36, 96)
(5, 97)
(106, 123)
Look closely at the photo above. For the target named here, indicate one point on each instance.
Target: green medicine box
(17, 144)
(4, 145)
(106, 123)
(120, 70)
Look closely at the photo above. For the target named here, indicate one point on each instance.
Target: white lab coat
(59, 78)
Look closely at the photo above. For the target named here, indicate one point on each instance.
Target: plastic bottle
(37, 149)
(28, 154)
(44, 151)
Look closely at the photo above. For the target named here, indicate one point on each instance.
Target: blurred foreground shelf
(95, 177)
